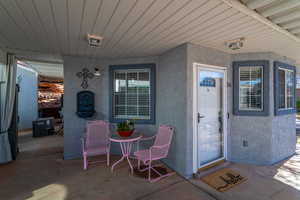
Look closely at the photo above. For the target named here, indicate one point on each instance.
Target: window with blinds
(132, 94)
(286, 88)
(251, 88)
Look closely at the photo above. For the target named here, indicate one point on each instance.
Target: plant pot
(125, 133)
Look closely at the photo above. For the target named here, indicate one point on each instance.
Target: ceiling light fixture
(235, 44)
(94, 40)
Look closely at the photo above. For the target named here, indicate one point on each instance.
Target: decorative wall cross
(85, 74)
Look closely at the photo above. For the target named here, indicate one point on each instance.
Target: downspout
(236, 4)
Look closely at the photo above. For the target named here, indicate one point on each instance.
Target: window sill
(141, 121)
(285, 111)
(250, 113)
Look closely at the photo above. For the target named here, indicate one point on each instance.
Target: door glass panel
(211, 120)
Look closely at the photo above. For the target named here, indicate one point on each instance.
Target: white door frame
(196, 66)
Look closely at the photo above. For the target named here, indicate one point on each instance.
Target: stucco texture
(172, 104)
(170, 101)
(270, 138)
(208, 56)
(74, 127)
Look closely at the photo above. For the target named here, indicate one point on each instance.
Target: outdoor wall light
(97, 72)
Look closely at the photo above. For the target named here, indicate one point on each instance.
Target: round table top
(115, 137)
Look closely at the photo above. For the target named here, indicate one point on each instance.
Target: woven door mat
(144, 174)
(223, 179)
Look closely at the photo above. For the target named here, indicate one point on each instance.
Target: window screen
(132, 94)
(286, 88)
(250, 88)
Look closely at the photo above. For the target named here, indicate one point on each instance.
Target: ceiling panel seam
(80, 27)
(105, 27)
(68, 25)
(33, 30)
(15, 23)
(166, 19)
(42, 24)
(175, 36)
(189, 22)
(95, 21)
(136, 21)
(168, 27)
(118, 26)
(58, 41)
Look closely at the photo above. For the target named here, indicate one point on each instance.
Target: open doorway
(38, 110)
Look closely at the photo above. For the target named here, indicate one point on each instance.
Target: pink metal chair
(158, 151)
(96, 141)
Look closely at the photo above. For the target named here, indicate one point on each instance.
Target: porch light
(97, 72)
(235, 44)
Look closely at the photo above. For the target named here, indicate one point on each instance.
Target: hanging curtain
(7, 91)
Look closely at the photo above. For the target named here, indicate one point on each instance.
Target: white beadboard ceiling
(47, 69)
(133, 28)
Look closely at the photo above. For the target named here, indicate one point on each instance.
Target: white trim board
(194, 104)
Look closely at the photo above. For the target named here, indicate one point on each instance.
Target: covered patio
(40, 173)
(217, 76)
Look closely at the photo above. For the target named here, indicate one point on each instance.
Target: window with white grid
(132, 94)
(251, 88)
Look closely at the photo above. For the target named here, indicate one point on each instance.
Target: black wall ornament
(85, 104)
(85, 74)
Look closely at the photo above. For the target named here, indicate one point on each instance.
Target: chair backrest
(164, 137)
(97, 133)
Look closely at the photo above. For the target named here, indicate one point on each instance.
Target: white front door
(210, 115)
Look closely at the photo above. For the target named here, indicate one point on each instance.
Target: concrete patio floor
(41, 173)
(277, 182)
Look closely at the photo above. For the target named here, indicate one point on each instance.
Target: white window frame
(285, 88)
(195, 81)
(262, 90)
(126, 93)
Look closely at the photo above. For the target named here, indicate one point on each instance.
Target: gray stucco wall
(28, 96)
(172, 103)
(283, 143)
(74, 126)
(270, 138)
(202, 55)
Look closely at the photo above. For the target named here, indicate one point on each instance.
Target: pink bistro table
(126, 145)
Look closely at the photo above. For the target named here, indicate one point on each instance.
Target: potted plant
(126, 128)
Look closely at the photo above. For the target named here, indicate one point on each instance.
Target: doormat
(223, 179)
(144, 174)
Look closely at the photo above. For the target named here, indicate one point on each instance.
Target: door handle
(200, 117)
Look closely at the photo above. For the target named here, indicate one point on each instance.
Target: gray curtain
(7, 90)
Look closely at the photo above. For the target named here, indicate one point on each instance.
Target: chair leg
(85, 162)
(139, 164)
(107, 158)
(149, 172)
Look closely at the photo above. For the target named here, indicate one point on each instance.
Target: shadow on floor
(41, 173)
(277, 182)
